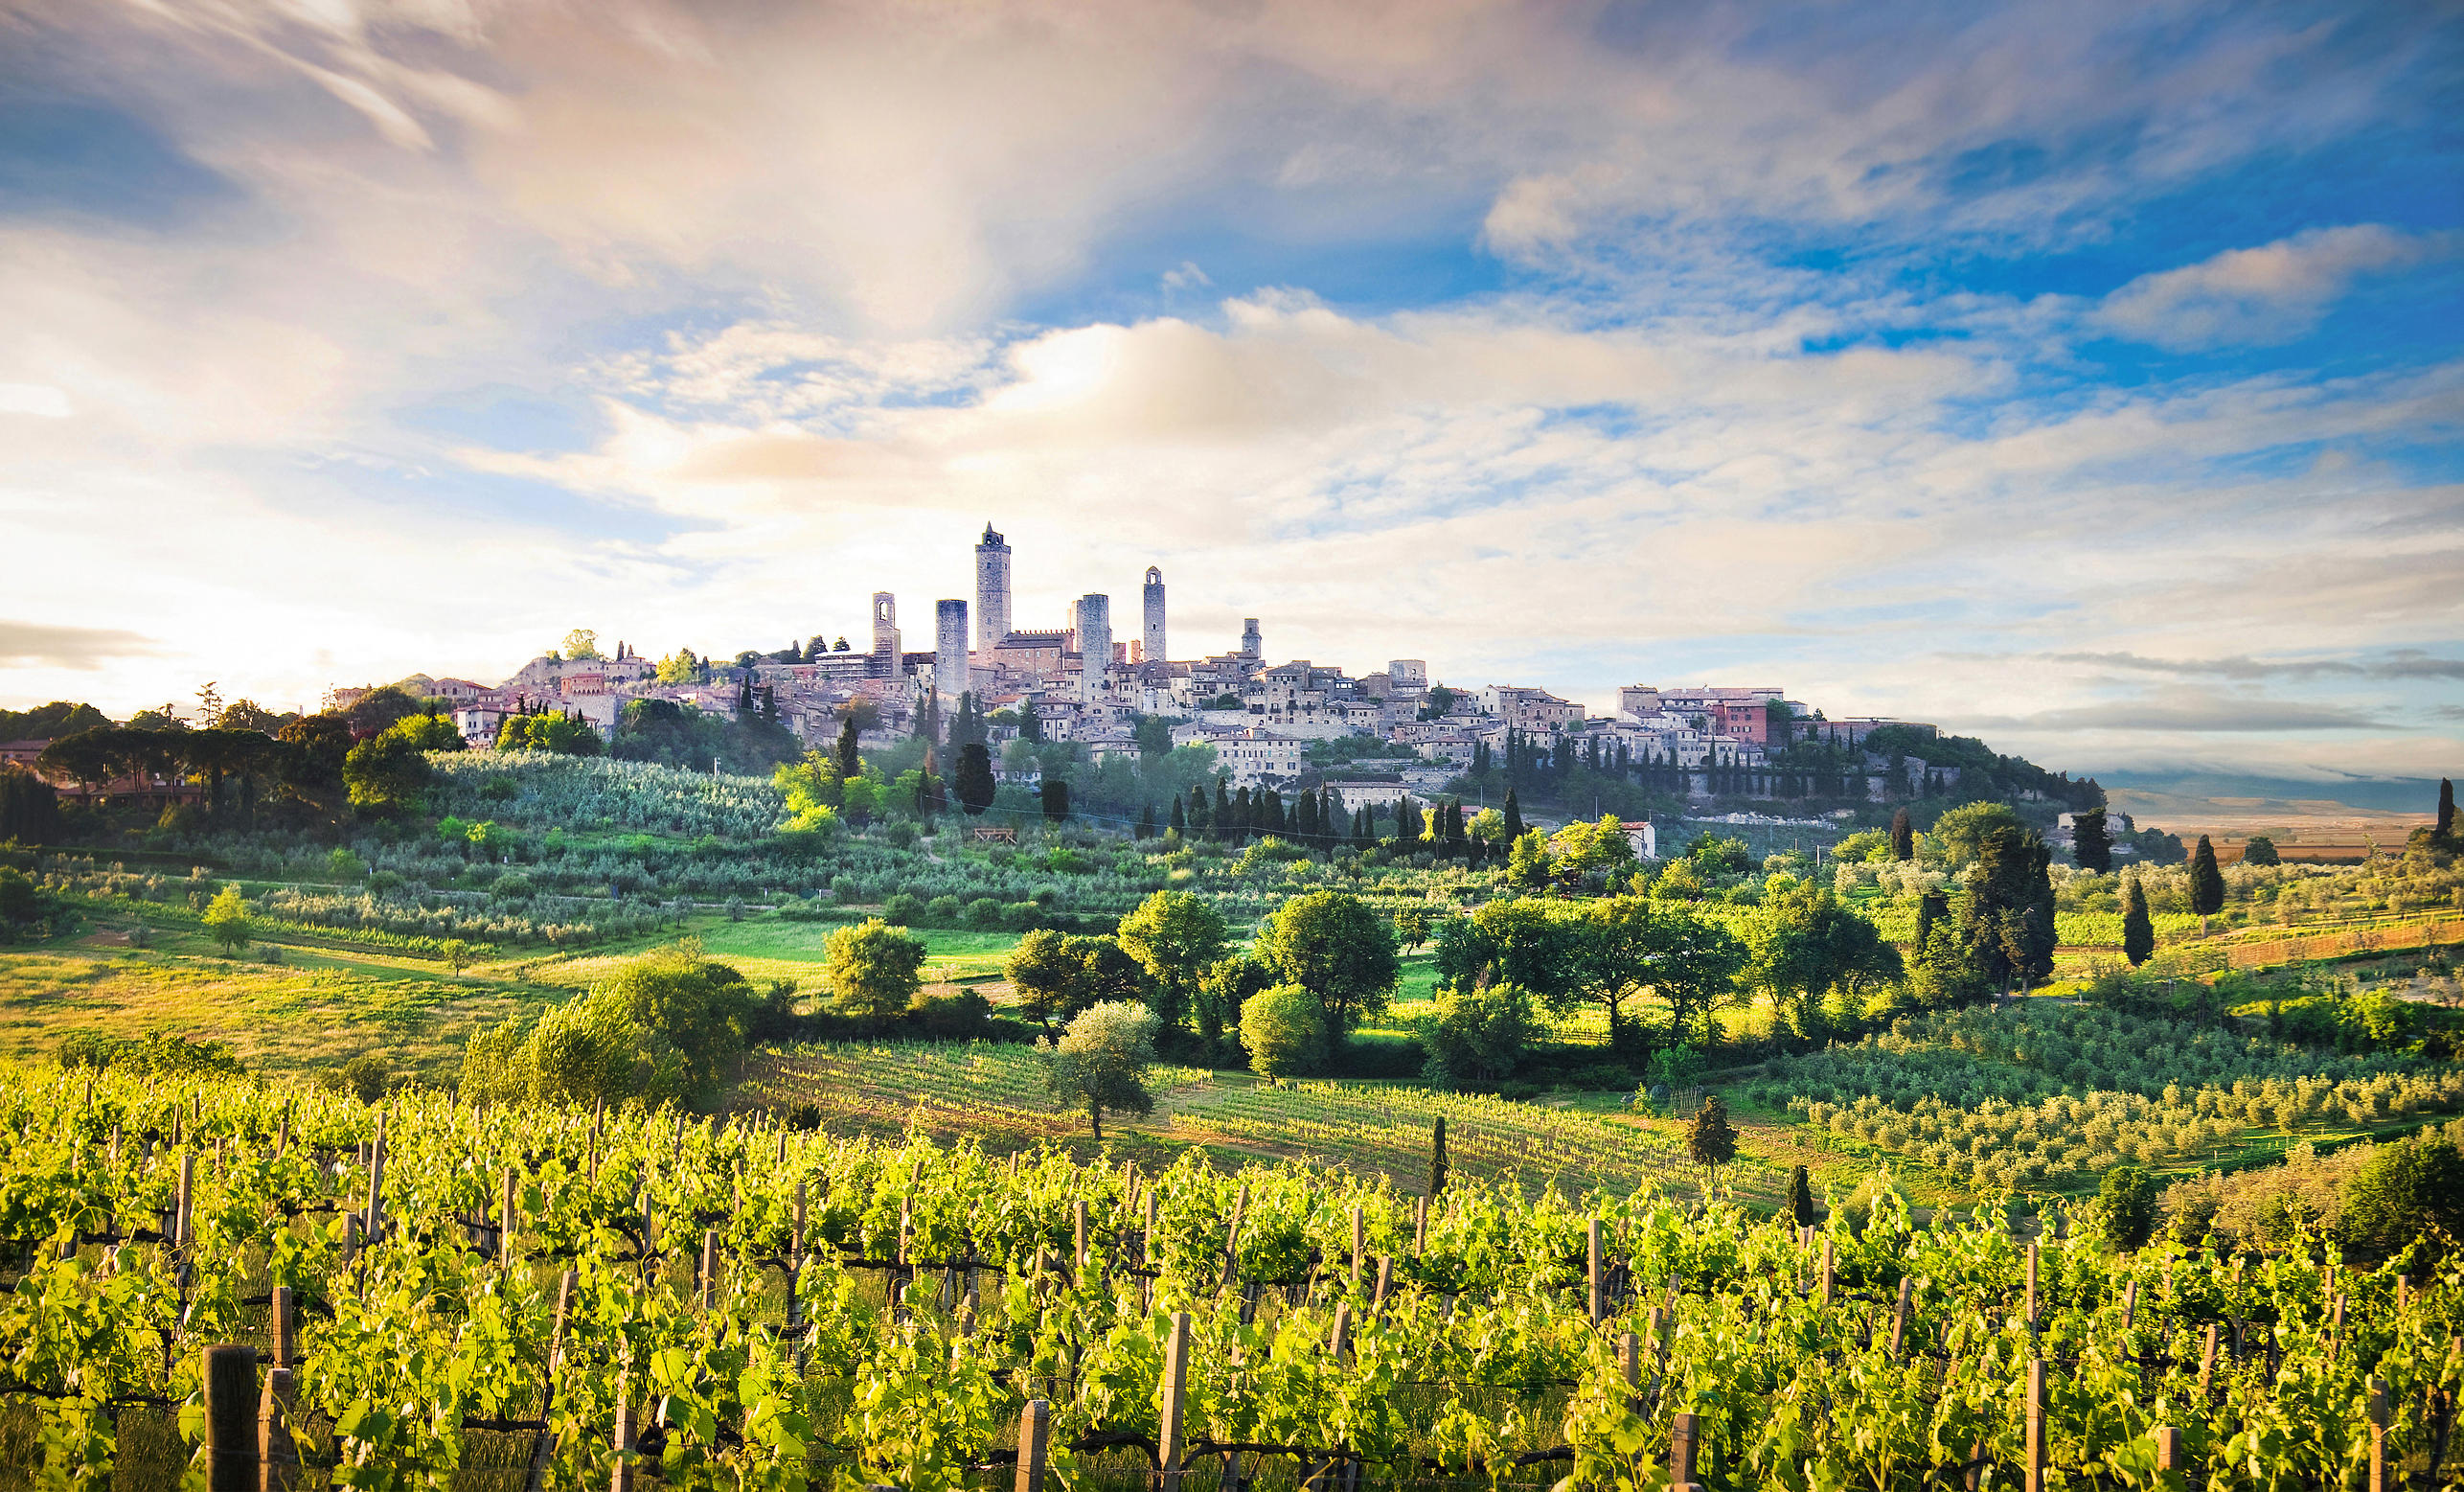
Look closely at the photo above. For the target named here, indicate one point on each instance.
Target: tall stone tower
(1155, 598)
(1252, 646)
(885, 625)
(991, 591)
(950, 675)
(1094, 645)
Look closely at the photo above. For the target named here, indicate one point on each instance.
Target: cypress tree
(1146, 829)
(2206, 881)
(1226, 825)
(1437, 1157)
(2138, 929)
(850, 765)
(1243, 816)
(2446, 830)
(1513, 818)
(1903, 837)
(1055, 798)
(1800, 1197)
(2091, 843)
(1179, 817)
(1930, 907)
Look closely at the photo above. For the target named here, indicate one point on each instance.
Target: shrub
(903, 910)
(983, 913)
(1284, 1030)
(966, 1016)
(942, 911)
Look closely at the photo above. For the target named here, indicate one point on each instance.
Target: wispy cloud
(2270, 293)
(85, 649)
(2404, 663)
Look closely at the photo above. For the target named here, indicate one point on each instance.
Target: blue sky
(2085, 376)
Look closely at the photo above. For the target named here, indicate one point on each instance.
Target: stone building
(992, 590)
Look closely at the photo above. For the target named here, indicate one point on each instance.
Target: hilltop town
(1370, 739)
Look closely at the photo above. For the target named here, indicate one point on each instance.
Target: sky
(2088, 377)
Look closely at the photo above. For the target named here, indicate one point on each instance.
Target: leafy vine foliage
(880, 1312)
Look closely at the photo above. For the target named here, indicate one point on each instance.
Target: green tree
(1330, 944)
(1959, 835)
(1048, 976)
(582, 645)
(385, 772)
(2206, 881)
(974, 783)
(1800, 1197)
(1284, 1030)
(226, 918)
(20, 902)
(1101, 1062)
(851, 762)
(1054, 795)
(2407, 1191)
(2444, 828)
(1514, 827)
(2138, 929)
(871, 971)
(1226, 988)
(2261, 850)
(1902, 835)
(2126, 1206)
(1528, 866)
(560, 735)
(1708, 1137)
(1176, 936)
(1806, 945)
(2006, 918)
(2091, 842)
(1478, 1036)
(1411, 926)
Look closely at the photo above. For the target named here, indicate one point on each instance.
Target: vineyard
(2046, 1093)
(425, 1295)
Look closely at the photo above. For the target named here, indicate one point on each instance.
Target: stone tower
(1252, 646)
(949, 674)
(1155, 598)
(1094, 645)
(885, 625)
(991, 591)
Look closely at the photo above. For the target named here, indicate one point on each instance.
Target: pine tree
(2206, 881)
(1514, 816)
(1902, 837)
(2138, 929)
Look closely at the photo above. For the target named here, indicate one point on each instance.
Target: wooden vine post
(1592, 1272)
(231, 1451)
(1034, 1444)
(623, 1439)
(1900, 1318)
(2169, 1452)
(709, 1269)
(543, 1449)
(1829, 1269)
(2380, 1419)
(1684, 1429)
(2036, 1420)
(1167, 1437)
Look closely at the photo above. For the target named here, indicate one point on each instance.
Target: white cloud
(33, 399)
(2271, 293)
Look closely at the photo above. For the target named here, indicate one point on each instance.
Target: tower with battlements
(950, 673)
(991, 591)
(1094, 645)
(1154, 598)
